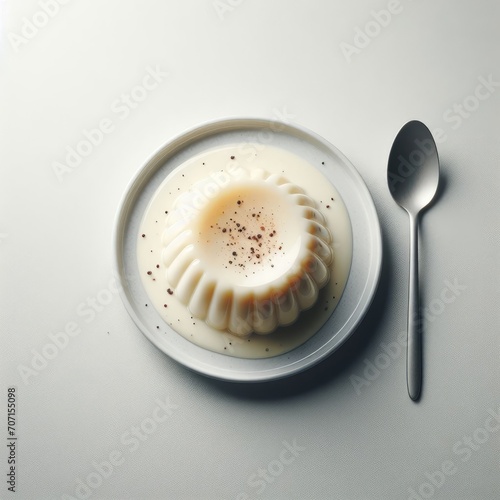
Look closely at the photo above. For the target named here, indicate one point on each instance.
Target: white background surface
(271, 60)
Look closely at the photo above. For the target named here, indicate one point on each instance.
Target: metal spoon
(413, 176)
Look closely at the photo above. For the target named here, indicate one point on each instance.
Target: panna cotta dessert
(245, 250)
(249, 253)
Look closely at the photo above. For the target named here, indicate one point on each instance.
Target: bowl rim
(207, 366)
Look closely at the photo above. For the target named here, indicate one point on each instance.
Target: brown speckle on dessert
(246, 228)
(170, 291)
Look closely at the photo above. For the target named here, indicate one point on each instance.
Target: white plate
(366, 259)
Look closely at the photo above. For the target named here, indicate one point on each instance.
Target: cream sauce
(216, 165)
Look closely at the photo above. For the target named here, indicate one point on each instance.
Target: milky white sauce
(216, 166)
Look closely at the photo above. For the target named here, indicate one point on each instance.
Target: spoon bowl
(413, 177)
(413, 169)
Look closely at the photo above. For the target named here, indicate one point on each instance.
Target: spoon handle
(414, 347)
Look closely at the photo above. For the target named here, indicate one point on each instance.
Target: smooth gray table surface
(104, 414)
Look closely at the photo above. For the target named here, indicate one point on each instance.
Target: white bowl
(366, 257)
